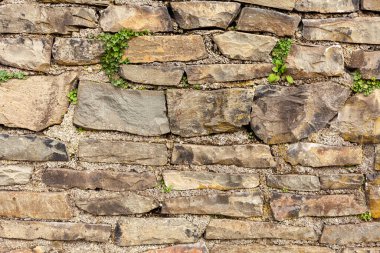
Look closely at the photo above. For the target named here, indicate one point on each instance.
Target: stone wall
(200, 153)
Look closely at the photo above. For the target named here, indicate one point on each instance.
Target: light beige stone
(351, 233)
(294, 182)
(15, 174)
(341, 181)
(87, 2)
(199, 247)
(371, 5)
(327, 6)
(367, 62)
(283, 4)
(258, 248)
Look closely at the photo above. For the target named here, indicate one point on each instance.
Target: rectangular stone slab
(327, 6)
(351, 233)
(367, 62)
(362, 250)
(294, 182)
(199, 247)
(372, 5)
(341, 181)
(258, 248)
(283, 4)
(15, 174)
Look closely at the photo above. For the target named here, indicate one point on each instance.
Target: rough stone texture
(41, 205)
(288, 114)
(286, 206)
(168, 75)
(32, 18)
(294, 182)
(240, 204)
(147, 49)
(137, 18)
(218, 73)
(77, 51)
(350, 30)
(26, 53)
(367, 62)
(15, 174)
(104, 151)
(196, 113)
(56, 231)
(239, 229)
(161, 231)
(372, 5)
(245, 46)
(283, 4)
(199, 247)
(41, 101)
(359, 119)
(361, 250)
(191, 180)
(319, 155)
(341, 181)
(193, 15)
(351, 233)
(31, 148)
(87, 2)
(311, 61)
(260, 20)
(374, 200)
(257, 248)
(327, 6)
(120, 205)
(99, 179)
(105, 107)
(251, 155)
(377, 157)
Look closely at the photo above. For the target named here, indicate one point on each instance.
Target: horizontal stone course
(87, 2)
(258, 248)
(199, 247)
(341, 181)
(351, 233)
(294, 182)
(15, 174)
(328, 6)
(371, 5)
(284, 4)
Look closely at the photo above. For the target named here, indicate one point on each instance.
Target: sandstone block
(371, 5)
(199, 247)
(367, 62)
(329, 6)
(351, 233)
(294, 182)
(258, 248)
(284, 4)
(15, 174)
(341, 181)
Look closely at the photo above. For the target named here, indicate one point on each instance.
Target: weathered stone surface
(32, 18)
(123, 204)
(196, 113)
(99, 179)
(19, 251)
(257, 248)
(26, 53)
(219, 73)
(294, 182)
(239, 204)
(31, 148)
(245, 46)
(168, 75)
(192, 15)
(15, 174)
(283, 4)
(251, 155)
(288, 114)
(87, 2)
(367, 62)
(341, 181)
(351, 233)
(105, 107)
(319, 155)
(225, 229)
(361, 250)
(190, 180)
(135, 17)
(77, 51)
(260, 20)
(350, 30)
(56, 231)
(35, 205)
(377, 157)
(372, 5)
(327, 6)
(374, 200)
(161, 231)
(359, 119)
(35, 103)
(199, 247)
(147, 49)
(311, 61)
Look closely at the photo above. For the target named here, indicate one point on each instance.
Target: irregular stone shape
(257, 248)
(284, 4)
(367, 62)
(32, 18)
(35, 205)
(184, 48)
(15, 174)
(359, 119)
(193, 15)
(161, 231)
(341, 181)
(377, 158)
(87, 2)
(294, 182)
(31, 148)
(26, 53)
(191, 180)
(288, 114)
(77, 51)
(350, 30)
(104, 151)
(99, 179)
(361, 250)
(137, 18)
(260, 20)
(41, 101)
(120, 205)
(312, 61)
(245, 46)
(217, 73)
(54, 231)
(319, 155)
(286, 206)
(197, 113)
(239, 204)
(168, 75)
(371, 5)
(374, 200)
(199, 247)
(225, 229)
(351, 233)
(327, 6)
(105, 107)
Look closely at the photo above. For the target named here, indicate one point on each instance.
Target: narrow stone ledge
(284, 4)
(367, 62)
(351, 233)
(86, 2)
(341, 181)
(258, 248)
(294, 182)
(361, 250)
(329, 6)
(199, 247)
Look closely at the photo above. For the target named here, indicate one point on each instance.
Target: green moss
(5, 75)
(364, 86)
(73, 96)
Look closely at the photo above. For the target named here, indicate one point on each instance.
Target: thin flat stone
(199, 247)
(283, 4)
(351, 233)
(294, 182)
(86, 2)
(341, 181)
(371, 5)
(327, 6)
(258, 248)
(15, 174)
(362, 250)
(367, 62)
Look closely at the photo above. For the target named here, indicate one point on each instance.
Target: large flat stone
(367, 62)
(196, 113)
(15, 174)
(258, 248)
(341, 181)
(105, 107)
(371, 5)
(327, 6)
(284, 4)
(294, 182)
(351, 233)
(41, 101)
(199, 247)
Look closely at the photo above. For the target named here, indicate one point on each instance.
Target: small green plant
(73, 96)
(279, 54)
(367, 216)
(184, 83)
(165, 188)
(364, 86)
(285, 190)
(197, 87)
(5, 75)
(251, 136)
(80, 129)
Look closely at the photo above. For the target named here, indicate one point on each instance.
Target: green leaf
(289, 79)
(272, 78)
